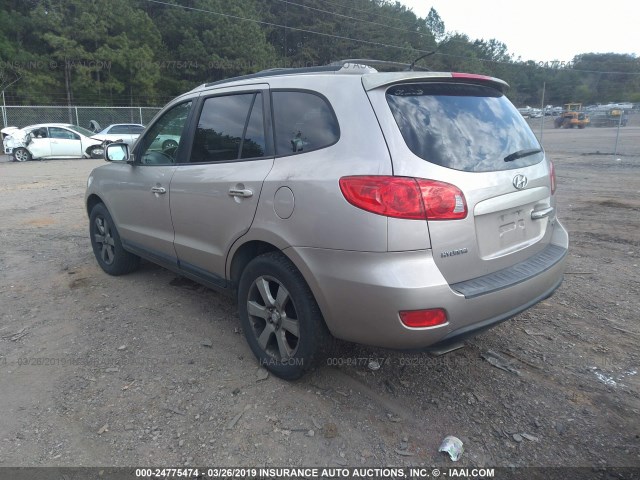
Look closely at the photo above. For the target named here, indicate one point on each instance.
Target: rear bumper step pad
(507, 277)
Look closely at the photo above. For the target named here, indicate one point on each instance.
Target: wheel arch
(92, 201)
(249, 250)
(243, 255)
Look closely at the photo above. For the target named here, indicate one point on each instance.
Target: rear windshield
(465, 127)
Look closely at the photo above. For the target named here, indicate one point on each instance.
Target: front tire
(107, 247)
(21, 154)
(169, 144)
(280, 317)
(97, 153)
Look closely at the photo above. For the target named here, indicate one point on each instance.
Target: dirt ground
(152, 369)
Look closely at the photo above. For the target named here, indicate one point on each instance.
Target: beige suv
(405, 210)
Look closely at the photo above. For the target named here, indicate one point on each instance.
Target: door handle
(237, 192)
(538, 214)
(158, 190)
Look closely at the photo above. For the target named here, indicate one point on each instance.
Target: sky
(541, 30)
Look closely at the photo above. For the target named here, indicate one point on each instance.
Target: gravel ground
(152, 369)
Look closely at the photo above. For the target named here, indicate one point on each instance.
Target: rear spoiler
(375, 80)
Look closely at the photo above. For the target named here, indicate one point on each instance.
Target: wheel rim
(273, 318)
(21, 155)
(104, 240)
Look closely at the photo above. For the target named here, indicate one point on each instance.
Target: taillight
(442, 201)
(424, 318)
(405, 197)
(552, 176)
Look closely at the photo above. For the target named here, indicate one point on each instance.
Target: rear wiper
(521, 153)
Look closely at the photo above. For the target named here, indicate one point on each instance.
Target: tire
(21, 154)
(280, 317)
(93, 152)
(168, 144)
(107, 247)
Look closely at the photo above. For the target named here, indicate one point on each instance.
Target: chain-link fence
(616, 135)
(605, 134)
(21, 116)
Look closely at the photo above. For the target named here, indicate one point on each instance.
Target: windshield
(462, 126)
(82, 131)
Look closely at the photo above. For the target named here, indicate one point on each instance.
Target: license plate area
(508, 231)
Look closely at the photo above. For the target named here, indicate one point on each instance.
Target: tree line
(144, 52)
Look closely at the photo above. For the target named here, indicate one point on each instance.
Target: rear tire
(21, 154)
(107, 247)
(280, 317)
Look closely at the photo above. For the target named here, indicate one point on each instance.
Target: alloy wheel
(273, 318)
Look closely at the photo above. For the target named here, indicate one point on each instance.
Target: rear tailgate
(463, 131)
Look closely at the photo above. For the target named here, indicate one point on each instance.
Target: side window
(61, 133)
(303, 122)
(230, 127)
(119, 129)
(136, 129)
(161, 142)
(39, 133)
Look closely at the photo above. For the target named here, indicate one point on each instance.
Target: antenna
(413, 64)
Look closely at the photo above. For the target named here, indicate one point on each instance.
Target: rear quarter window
(303, 121)
(462, 126)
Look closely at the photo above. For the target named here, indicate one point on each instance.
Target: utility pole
(544, 84)
(4, 111)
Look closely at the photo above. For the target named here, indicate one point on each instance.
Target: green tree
(204, 42)
(435, 24)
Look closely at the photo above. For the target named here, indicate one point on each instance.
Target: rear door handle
(158, 190)
(237, 192)
(538, 214)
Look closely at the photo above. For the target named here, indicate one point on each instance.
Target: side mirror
(117, 152)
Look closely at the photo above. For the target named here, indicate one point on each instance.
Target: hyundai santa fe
(406, 210)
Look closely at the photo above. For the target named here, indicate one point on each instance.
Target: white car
(120, 132)
(51, 140)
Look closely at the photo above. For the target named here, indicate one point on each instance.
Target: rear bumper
(361, 293)
(479, 327)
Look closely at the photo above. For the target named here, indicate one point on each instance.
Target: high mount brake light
(405, 197)
(471, 76)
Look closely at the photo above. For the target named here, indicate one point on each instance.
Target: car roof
(124, 125)
(40, 125)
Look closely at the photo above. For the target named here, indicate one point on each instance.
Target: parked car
(51, 140)
(525, 111)
(124, 132)
(535, 113)
(165, 142)
(406, 210)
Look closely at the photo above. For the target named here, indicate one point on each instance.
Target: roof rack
(380, 63)
(279, 71)
(332, 67)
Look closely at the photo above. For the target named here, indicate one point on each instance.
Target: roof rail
(380, 63)
(278, 71)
